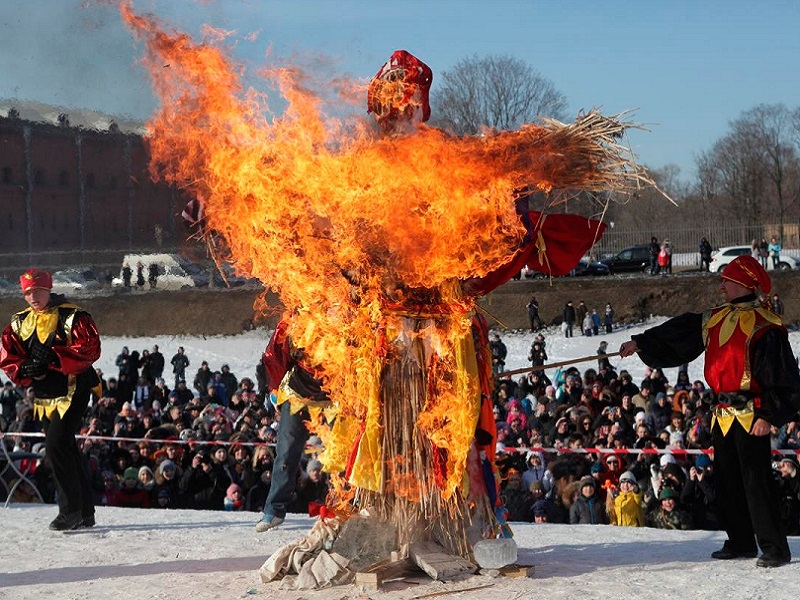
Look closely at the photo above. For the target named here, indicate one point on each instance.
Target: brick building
(78, 196)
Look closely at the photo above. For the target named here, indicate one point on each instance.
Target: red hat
(400, 88)
(748, 272)
(35, 278)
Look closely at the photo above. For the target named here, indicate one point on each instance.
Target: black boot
(67, 522)
(88, 521)
(727, 552)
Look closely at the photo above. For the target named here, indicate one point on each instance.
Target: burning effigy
(379, 241)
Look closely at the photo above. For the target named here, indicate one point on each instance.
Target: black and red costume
(751, 369)
(53, 350)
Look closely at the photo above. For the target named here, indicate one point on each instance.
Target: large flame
(343, 222)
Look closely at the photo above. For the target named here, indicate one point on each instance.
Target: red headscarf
(35, 278)
(748, 272)
(400, 88)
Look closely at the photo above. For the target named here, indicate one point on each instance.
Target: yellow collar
(43, 323)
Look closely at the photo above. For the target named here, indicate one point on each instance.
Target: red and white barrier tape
(544, 450)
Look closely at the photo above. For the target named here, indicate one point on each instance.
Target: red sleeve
(13, 355)
(276, 357)
(83, 349)
(556, 244)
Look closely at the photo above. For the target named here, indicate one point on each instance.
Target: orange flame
(340, 221)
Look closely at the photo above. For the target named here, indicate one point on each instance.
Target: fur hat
(588, 480)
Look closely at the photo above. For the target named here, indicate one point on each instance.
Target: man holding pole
(751, 369)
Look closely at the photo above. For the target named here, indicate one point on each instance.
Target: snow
(194, 554)
(170, 554)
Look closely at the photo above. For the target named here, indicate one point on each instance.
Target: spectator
(774, 249)
(705, 254)
(763, 252)
(130, 495)
(202, 378)
(777, 305)
(179, 363)
(234, 498)
(152, 275)
(139, 275)
(667, 514)
(655, 249)
(588, 509)
(499, 353)
(533, 314)
(568, 319)
(789, 493)
(156, 363)
(609, 318)
(127, 274)
(625, 503)
(580, 313)
(699, 494)
(595, 323)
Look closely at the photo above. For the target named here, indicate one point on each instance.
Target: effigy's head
(398, 94)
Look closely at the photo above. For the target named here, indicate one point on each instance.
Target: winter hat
(536, 485)
(549, 390)
(540, 508)
(702, 461)
(144, 469)
(588, 480)
(667, 493)
(676, 437)
(661, 396)
(640, 416)
(163, 494)
(131, 473)
(627, 476)
(666, 459)
(232, 489)
(790, 460)
(595, 468)
(674, 470)
(168, 465)
(313, 465)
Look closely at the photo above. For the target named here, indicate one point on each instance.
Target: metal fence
(685, 240)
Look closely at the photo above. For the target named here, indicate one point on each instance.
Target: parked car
(75, 281)
(174, 271)
(721, 257)
(584, 268)
(634, 259)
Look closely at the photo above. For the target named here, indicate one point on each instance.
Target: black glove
(43, 354)
(33, 369)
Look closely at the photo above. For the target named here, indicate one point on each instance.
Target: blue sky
(687, 67)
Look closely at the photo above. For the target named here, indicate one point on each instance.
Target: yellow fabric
(724, 416)
(44, 407)
(628, 510)
(367, 470)
(739, 315)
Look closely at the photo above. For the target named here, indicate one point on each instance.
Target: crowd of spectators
(568, 448)
(210, 445)
(205, 446)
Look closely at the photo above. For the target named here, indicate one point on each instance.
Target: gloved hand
(33, 369)
(43, 354)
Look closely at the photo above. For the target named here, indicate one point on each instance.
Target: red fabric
(73, 358)
(35, 278)
(727, 365)
(417, 78)
(566, 239)
(747, 271)
(276, 358)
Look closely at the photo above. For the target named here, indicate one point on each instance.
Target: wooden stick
(562, 363)
(448, 592)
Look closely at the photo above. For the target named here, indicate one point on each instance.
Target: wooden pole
(562, 363)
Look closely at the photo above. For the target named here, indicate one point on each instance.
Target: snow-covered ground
(192, 554)
(144, 554)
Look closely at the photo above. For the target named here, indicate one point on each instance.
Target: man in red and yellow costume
(751, 369)
(51, 346)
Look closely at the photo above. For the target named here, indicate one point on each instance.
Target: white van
(174, 271)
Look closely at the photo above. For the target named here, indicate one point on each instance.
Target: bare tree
(499, 92)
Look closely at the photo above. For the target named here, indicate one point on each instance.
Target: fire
(353, 229)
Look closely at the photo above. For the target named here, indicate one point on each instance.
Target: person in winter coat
(130, 495)
(625, 502)
(789, 492)
(588, 509)
(608, 320)
(699, 494)
(569, 317)
(234, 498)
(536, 471)
(666, 514)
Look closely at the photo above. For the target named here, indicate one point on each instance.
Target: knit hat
(540, 508)
(640, 416)
(627, 476)
(168, 465)
(313, 465)
(588, 480)
(232, 489)
(666, 459)
(595, 468)
(536, 485)
(667, 493)
(748, 272)
(131, 473)
(676, 437)
(702, 461)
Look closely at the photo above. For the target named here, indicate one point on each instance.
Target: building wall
(77, 196)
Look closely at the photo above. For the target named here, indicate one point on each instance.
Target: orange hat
(35, 278)
(748, 272)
